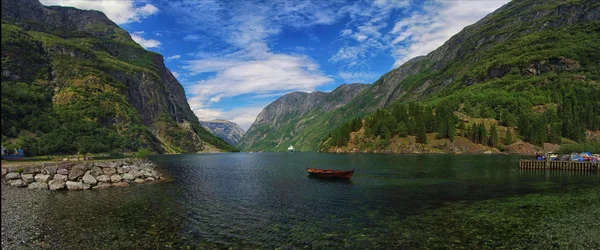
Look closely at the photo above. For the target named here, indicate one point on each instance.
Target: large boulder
(89, 179)
(137, 173)
(103, 178)
(50, 170)
(96, 171)
(62, 171)
(123, 169)
(146, 173)
(149, 179)
(27, 178)
(17, 183)
(116, 178)
(32, 169)
(128, 177)
(56, 184)
(138, 180)
(60, 177)
(13, 176)
(44, 178)
(77, 171)
(38, 185)
(4, 171)
(109, 171)
(74, 185)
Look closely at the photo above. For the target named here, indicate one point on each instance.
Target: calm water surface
(267, 200)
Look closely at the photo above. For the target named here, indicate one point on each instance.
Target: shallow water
(267, 200)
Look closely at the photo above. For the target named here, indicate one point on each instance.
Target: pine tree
(421, 130)
(508, 137)
(493, 141)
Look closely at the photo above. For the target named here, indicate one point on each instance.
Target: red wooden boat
(340, 174)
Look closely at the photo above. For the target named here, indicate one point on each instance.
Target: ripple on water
(265, 201)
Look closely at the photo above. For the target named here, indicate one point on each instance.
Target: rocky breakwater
(81, 175)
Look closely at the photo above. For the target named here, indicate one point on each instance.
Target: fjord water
(267, 200)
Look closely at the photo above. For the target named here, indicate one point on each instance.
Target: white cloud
(271, 73)
(368, 20)
(173, 57)
(175, 74)
(146, 43)
(358, 77)
(191, 38)
(346, 32)
(425, 31)
(416, 33)
(243, 116)
(120, 12)
(248, 67)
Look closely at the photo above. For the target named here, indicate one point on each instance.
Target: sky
(233, 58)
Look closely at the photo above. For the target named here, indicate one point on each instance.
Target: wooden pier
(560, 165)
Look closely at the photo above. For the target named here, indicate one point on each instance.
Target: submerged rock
(120, 184)
(102, 185)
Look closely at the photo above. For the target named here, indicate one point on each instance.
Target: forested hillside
(531, 67)
(75, 82)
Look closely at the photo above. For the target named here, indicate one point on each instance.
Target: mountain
(530, 65)
(228, 131)
(290, 119)
(75, 82)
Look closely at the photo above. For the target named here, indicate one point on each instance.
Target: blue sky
(233, 58)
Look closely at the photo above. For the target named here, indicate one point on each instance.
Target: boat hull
(12, 157)
(337, 174)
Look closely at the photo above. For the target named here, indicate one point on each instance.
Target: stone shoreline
(81, 175)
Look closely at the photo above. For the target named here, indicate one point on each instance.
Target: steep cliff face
(230, 132)
(95, 85)
(501, 67)
(290, 119)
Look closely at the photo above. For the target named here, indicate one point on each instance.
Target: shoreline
(79, 175)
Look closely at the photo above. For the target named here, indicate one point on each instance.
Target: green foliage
(143, 153)
(508, 139)
(60, 94)
(592, 147)
(493, 140)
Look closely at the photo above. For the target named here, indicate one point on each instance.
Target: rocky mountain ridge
(282, 119)
(230, 132)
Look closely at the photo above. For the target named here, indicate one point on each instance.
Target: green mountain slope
(525, 58)
(291, 119)
(73, 81)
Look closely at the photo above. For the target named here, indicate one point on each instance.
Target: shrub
(143, 153)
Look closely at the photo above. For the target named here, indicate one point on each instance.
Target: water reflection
(268, 200)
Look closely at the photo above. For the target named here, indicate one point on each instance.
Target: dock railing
(559, 165)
